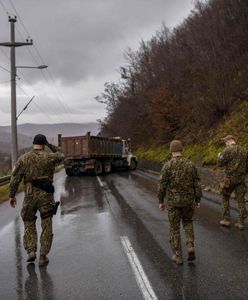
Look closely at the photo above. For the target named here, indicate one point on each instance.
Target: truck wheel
(98, 168)
(107, 167)
(76, 171)
(69, 172)
(133, 165)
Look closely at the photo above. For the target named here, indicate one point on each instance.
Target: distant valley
(26, 132)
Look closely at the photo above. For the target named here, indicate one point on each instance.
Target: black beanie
(40, 139)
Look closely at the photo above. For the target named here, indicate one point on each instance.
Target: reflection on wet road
(111, 242)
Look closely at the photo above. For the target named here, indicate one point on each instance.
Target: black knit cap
(40, 139)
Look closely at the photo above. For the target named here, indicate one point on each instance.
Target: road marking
(140, 276)
(100, 182)
(5, 228)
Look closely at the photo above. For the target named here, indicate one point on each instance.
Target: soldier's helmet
(40, 139)
(176, 146)
(228, 137)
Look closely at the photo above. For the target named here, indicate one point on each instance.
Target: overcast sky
(82, 42)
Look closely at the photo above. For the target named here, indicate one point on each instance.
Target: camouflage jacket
(179, 178)
(33, 165)
(234, 159)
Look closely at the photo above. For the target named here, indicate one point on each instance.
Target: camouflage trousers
(176, 215)
(42, 202)
(237, 185)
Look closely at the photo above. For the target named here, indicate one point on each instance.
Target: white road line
(100, 182)
(141, 278)
(6, 228)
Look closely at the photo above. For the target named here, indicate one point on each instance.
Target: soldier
(180, 179)
(234, 160)
(36, 168)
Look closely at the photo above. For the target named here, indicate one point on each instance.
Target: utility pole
(13, 44)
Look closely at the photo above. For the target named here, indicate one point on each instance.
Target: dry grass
(4, 191)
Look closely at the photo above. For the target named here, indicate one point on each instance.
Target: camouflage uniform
(234, 160)
(180, 179)
(36, 165)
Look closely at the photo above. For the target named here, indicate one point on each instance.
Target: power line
(19, 17)
(53, 85)
(45, 113)
(48, 106)
(58, 96)
(5, 69)
(4, 8)
(9, 72)
(4, 53)
(22, 89)
(39, 107)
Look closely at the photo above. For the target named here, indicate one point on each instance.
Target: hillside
(188, 83)
(205, 151)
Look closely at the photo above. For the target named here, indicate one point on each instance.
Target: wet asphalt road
(91, 257)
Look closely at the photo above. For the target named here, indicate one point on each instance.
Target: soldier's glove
(162, 206)
(12, 202)
(197, 204)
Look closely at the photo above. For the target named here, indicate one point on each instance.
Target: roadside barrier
(150, 165)
(4, 180)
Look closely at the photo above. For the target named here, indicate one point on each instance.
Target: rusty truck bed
(87, 146)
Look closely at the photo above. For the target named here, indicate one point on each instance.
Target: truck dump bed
(88, 146)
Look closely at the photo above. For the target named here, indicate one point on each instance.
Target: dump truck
(95, 154)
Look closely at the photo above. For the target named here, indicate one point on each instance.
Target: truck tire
(69, 172)
(98, 167)
(76, 171)
(133, 165)
(107, 167)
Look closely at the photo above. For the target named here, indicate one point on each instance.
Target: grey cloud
(79, 39)
(82, 42)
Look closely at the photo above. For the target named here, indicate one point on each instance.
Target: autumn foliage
(184, 81)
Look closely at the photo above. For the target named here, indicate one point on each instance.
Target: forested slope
(188, 83)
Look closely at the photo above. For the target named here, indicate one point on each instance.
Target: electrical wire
(50, 81)
(52, 86)
(6, 70)
(33, 57)
(4, 53)
(44, 101)
(19, 17)
(4, 8)
(36, 104)
(64, 105)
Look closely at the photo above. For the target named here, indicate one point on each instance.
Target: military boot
(177, 259)
(44, 261)
(31, 256)
(239, 226)
(225, 223)
(191, 251)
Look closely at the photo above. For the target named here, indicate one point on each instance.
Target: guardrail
(4, 180)
(150, 165)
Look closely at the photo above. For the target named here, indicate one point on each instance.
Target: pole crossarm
(16, 44)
